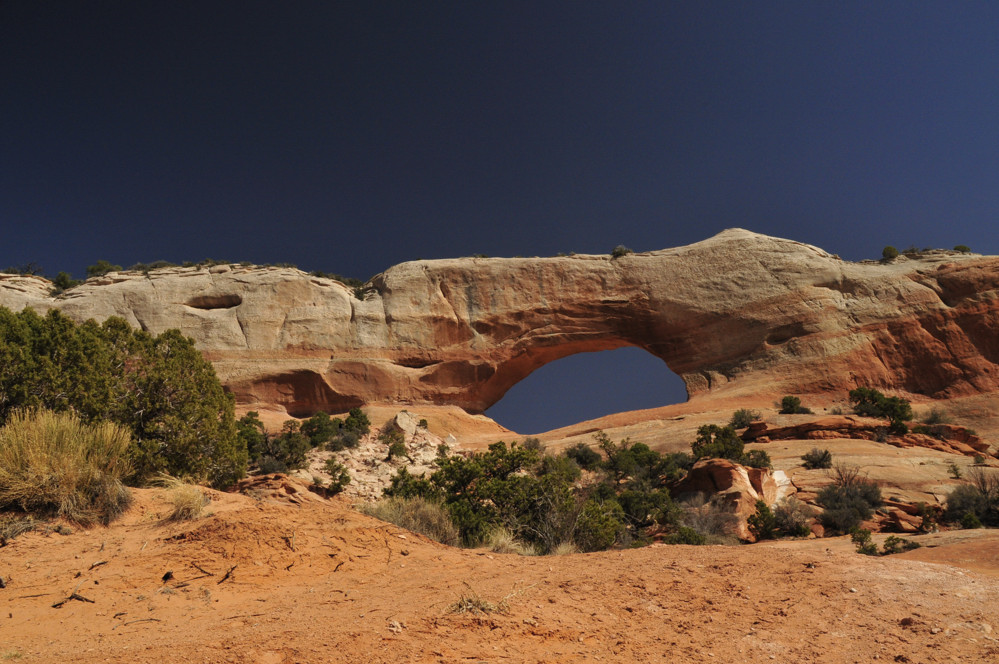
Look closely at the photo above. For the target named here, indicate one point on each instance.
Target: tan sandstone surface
(737, 315)
(312, 581)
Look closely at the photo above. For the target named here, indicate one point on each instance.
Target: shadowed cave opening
(585, 386)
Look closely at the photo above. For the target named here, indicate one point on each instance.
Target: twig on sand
(227, 575)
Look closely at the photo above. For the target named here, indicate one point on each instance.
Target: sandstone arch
(739, 313)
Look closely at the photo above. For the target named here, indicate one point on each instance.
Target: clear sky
(348, 137)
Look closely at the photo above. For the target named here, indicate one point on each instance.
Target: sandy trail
(314, 581)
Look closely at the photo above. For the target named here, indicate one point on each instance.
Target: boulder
(736, 487)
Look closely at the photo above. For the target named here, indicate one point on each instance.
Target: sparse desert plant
(586, 457)
(12, 525)
(686, 535)
(709, 518)
(423, 424)
(861, 537)
(791, 405)
(717, 442)
(417, 515)
(871, 403)
(791, 516)
(889, 253)
(100, 268)
(936, 416)
(743, 417)
(970, 521)
(471, 602)
(762, 523)
(850, 500)
(757, 459)
(817, 458)
(396, 443)
(600, 524)
(340, 478)
(963, 248)
(621, 250)
(979, 497)
(54, 464)
(187, 500)
(979, 460)
(954, 470)
(893, 544)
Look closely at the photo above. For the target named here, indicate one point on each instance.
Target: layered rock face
(739, 313)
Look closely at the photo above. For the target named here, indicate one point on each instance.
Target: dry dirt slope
(314, 581)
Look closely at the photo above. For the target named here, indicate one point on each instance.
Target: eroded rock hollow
(738, 313)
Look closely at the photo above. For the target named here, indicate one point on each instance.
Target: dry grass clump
(564, 549)
(12, 525)
(471, 602)
(54, 464)
(501, 540)
(710, 518)
(188, 500)
(418, 515)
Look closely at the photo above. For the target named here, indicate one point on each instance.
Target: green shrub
(717, 442)
(586, 457)
(862, 538)
(889, 253)
(936, 416)
(63, 281)
(320, 429)
(621, 250)
(762, 523)
(159, 387)
(250, 431)
(340, 478)
(792, 517)
(791, 405)
(848, 502)
(417, 515)
(283, 452)
(871, 403)
(28, 269)
(963, 248)
(893, 544)
(743, 417)
(979, 497)
(396, 443)
(100, 268)
(817, 459)
(349, 431)
(970, 521)
(423, 424)
(55, 464)
(685, 535)
(757, 459)
(599, 525)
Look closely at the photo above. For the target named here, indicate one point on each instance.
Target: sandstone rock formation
(737, 487)
(739, 313)
(946, 437)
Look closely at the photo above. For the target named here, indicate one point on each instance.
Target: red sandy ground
(315, 581)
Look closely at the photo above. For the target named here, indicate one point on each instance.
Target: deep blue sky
(348, 139)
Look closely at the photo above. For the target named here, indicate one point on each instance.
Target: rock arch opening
(585, 386)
